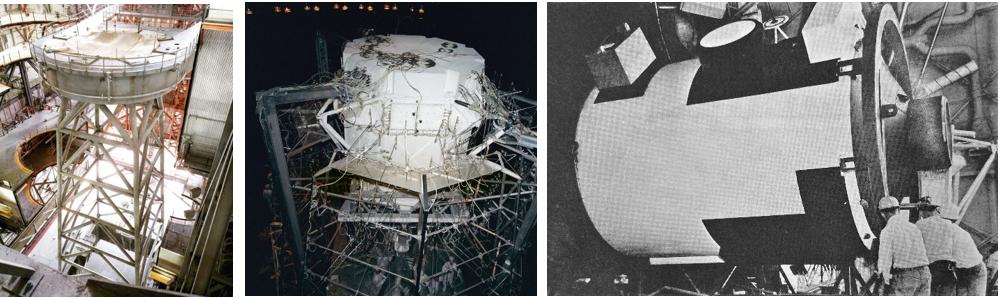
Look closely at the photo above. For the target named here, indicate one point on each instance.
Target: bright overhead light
(394, 7)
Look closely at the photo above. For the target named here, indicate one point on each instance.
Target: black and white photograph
(391, 149)
(772, 148)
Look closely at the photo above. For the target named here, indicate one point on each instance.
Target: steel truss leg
(106, 195)
(25, 83)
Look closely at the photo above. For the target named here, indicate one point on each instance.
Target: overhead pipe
(947, 79)
(969, 9)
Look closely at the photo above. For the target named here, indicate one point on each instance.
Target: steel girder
(268, 116)
(207, 251)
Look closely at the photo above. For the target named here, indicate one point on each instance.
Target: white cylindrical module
(410, 108)
(116, 63)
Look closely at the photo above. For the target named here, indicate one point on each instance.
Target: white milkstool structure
(111, 70)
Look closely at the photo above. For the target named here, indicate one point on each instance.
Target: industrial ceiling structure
(114, 188)
(408, 170)
(742, 148)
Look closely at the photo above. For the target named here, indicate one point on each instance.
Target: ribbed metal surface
(650, 169)
(210, 98)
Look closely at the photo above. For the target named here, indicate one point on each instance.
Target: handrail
(21, 54)
(163, 58)
(60, 21)
(105, 65)
(16, 19)
(19, 18)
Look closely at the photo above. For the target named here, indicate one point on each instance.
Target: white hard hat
(949, 211)
(888, 202)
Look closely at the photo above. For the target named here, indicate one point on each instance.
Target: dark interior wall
(575, 249)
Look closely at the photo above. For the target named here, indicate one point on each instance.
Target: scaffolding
(369, 224)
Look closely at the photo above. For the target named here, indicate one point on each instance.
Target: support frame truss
(101, 198)
(331, 235)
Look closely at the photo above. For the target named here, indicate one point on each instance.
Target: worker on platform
(425, 289)
(902, 259)
(452, 271)
(377, 281)
(938, 235)
(972, 277)
(435, 289)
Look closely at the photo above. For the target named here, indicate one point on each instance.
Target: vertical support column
(528, 221)
(110, 210)
(282, 187)
(209, 234)
(322, 65)
(25, 83)
(61, 192)
(421, 231)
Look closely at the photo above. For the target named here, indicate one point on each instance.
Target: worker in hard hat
(902, 259)
(972, 277)
(452, 272)
(938, 235)
(377, 281)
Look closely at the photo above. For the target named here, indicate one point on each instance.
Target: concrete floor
(52, 283)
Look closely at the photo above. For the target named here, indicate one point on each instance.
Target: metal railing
(159, 16)
(15, 56)
(83, 11)
(60, 23)
(164, 57)
(159, 60)
(19, 18)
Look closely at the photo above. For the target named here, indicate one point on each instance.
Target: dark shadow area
(795, 239)
(574, 248)
(637, 89)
